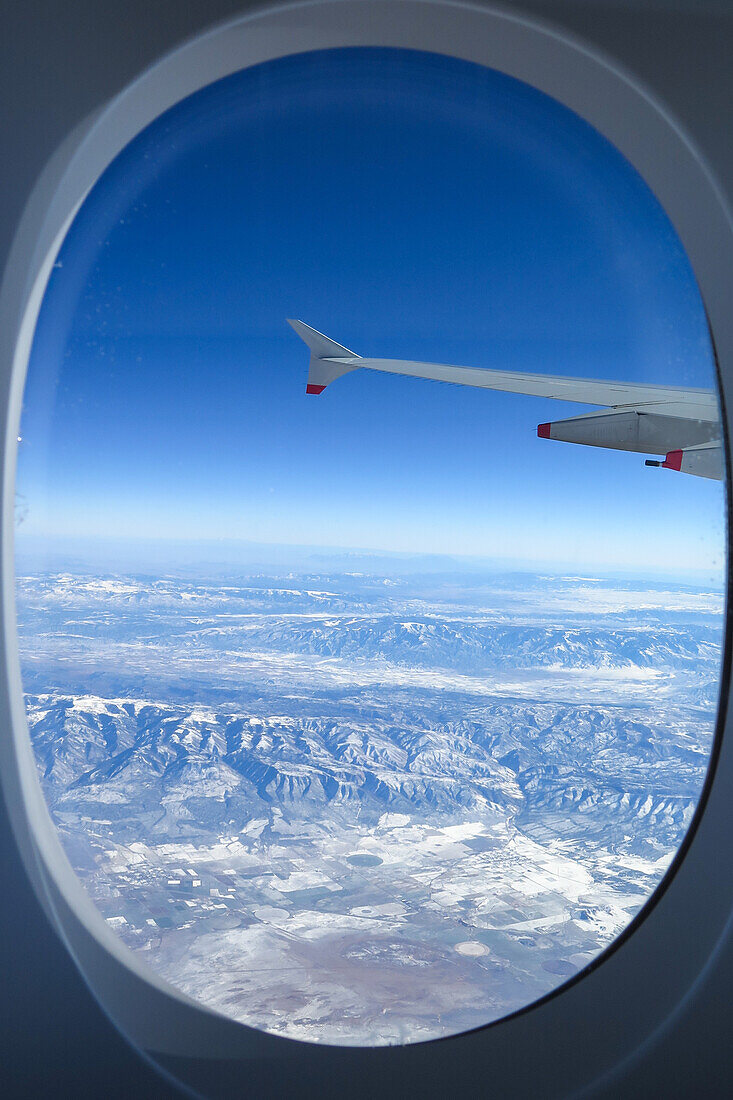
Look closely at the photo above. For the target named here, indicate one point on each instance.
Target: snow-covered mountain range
(327, 746)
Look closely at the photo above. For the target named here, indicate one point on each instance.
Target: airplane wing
(670, 420)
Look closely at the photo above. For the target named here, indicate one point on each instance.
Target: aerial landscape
(370, 709)
(368, 809)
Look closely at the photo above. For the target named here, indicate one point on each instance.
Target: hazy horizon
(39, 553)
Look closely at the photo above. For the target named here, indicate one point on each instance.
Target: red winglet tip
(310, 388)
(543, 431)
(673, 461)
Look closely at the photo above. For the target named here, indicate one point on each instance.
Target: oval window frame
(653, 964)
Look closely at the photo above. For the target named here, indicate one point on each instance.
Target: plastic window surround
(577, 1033)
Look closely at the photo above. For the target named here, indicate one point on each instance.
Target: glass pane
(371, 714)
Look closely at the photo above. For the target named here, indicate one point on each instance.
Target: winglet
(329, 360)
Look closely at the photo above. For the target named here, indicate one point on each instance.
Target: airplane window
(371, 660)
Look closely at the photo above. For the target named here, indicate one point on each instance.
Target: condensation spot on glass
(371, 662)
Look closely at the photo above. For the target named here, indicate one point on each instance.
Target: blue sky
(410, 206)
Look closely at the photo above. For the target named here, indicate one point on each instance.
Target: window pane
(373, 714)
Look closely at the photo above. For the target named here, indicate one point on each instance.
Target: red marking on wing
(673, 461)
(310, 388)
(543, 431)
